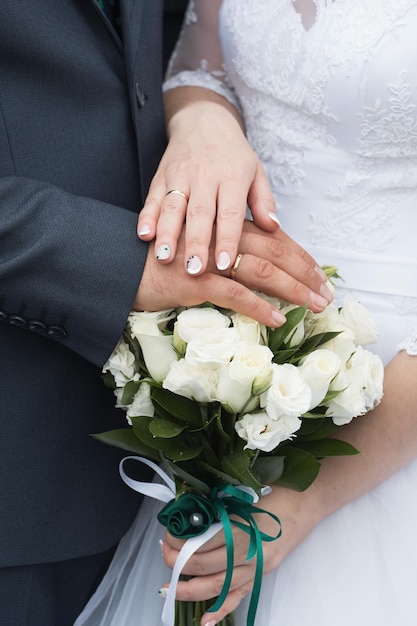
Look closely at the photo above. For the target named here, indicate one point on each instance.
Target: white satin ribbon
(166, 493)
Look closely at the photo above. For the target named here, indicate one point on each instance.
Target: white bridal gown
(329, 95)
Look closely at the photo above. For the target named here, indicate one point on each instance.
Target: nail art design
(163, 252)
(194, 264)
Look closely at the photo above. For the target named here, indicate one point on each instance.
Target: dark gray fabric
(52, 594)
(81, 133)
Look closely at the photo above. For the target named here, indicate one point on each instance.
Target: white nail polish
(194, 265)
(223, 261)
(163, 252)
(145, 230)
(163, 592)
(274, 218)
(212, 623)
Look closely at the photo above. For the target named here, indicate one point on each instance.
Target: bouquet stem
(190, 613)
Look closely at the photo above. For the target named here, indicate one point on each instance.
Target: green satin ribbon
(180, 517)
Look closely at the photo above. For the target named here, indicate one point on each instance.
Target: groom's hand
(271, 263)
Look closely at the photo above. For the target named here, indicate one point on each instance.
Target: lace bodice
(329, 97)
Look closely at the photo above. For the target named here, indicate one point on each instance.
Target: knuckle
(263, 269)
(197, 210)
(218, 585)
(198, 567)
(277, 248)
(229, 212)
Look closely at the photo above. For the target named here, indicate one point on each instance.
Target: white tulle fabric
(328, 92)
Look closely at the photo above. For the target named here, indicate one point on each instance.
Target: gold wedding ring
(179, 193)
(235, 266)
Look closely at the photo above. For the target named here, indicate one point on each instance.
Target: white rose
(120, 364)
(360, 322)
(367, 371)
(318, 369)
(252, 363)
(361, 381)
(263, 433)
(328, 320)
(195, 322)
(233, 393)
(249, 330)
(212, 347)
(149, 323)
(342, 345)
(158, 354)
(141, 403)
(197, 383)
(288, 395)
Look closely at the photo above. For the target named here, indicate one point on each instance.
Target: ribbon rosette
(197, 518)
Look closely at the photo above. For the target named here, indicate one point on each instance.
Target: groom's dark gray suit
(81, 133)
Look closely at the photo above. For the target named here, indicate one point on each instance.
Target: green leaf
(328, 447)
(313, 342)
(175, 449)
(268, 469)
(129, 392)
(165, 428)
(108, 380)
(221, 477)
(179, 472)
(126, 439)
(181, 408)
(237, 466)
(277, 336)
(285, 356)
(316, 427)
(300, 469)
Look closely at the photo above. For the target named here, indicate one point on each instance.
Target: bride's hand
(208, 565)
(212, 174)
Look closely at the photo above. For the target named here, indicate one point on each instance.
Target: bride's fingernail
(326, 292)
(212, 623)
(163, 592)
(163, 252)
(320, 272)
(145, 230)
(194, 265)
(274, 218)
(161, 546)
(318, 300)
(278, 318)
(223, 261)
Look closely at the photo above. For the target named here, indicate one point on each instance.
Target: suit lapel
(131, 18)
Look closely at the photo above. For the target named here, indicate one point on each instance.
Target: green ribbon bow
(192, 514)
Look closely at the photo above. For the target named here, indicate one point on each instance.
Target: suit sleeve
(70, 266)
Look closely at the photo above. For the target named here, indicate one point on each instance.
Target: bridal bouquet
(227, 406)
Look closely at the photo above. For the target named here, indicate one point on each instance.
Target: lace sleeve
(197, 59)
(410, 344)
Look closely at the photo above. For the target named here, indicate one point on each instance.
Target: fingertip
(163, 252)
(223, 261)
(194, 265)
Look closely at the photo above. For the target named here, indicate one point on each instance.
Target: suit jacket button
(17, 320)
(37, 326)
(56, 332)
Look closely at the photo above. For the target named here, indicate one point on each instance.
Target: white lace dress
(328, 91)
